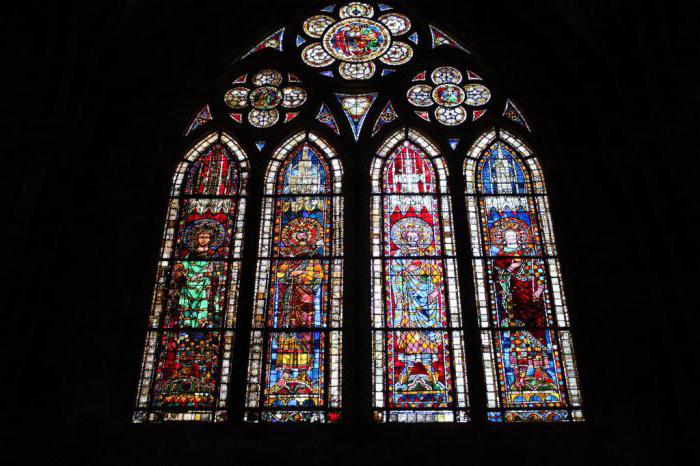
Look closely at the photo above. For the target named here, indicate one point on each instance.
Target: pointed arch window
(526, 341)
(185, 370)
(417, 339)
(294, 371)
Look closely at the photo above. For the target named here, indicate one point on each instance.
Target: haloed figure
(519, 291)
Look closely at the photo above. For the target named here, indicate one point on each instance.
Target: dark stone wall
(98, 96)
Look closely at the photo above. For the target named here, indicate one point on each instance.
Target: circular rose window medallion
(265, 97)
(448, 95)
(357, 40)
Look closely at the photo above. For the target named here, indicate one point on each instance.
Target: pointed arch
(294, 371)
(526, 341)
(185, 370)
(419, 372)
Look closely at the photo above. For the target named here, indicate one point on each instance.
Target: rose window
(355, 39)
(267, 100)
(451, 97)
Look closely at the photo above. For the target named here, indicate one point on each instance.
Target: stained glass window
(417, 339)
(526, 341)
(354, 39)
(185, 371)
(294, 371)
(449, 98)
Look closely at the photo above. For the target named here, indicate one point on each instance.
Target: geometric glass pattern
(187, 356)
(273, 41)
(203, 117)
(513, 113)
(418, 362)
(356, 107)
(440, 38)
(524, 324)
(266, 100)
(355, 39)
(450, 95)
(326, 117)
(294, 372)
(386, 116)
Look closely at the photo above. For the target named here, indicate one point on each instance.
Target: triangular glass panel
(453, 143)
(473, 76)
(422, 114)
(356, 107)
(328, 74)
(419, 77)
(237, 117)
(290, 116)
(383, 7)
(478, 114)
(386, 116)
(202, 117)
(260, 145)
(513, 113)
(326, 117)
(241, 79)
(273, 41)
(440, 38)
(300, 40)
(293, 78)
(414, 38)
(328, 9)
(387, 71)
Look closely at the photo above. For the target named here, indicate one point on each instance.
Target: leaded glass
(355, 40)
(526, 344)
(294, 364)
(265, 99)
(477, 94)
(315, 25)
(202, 118)
(185, 372)
(357, 70)
(450, 116)
(398, 54)
(273, 41)
(447, 96)
(397, 23)
(418, 360)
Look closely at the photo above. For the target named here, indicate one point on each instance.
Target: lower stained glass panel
(419, 372)
(531, 373)
(188, 369)
(295, 369)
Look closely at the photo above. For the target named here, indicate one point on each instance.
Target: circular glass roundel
(448, 95)
(356, 9)
(267, 78)
(397, 23)
(477, 94)
(356, 40)
(446, 74)
(265, 97)
(398, 54)
(263, 118)
(412, 235)
(315, 25)
(357, 70)
(314, 55)
(419, 95)
(450, 116)
(237, 97)
(293, 96)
